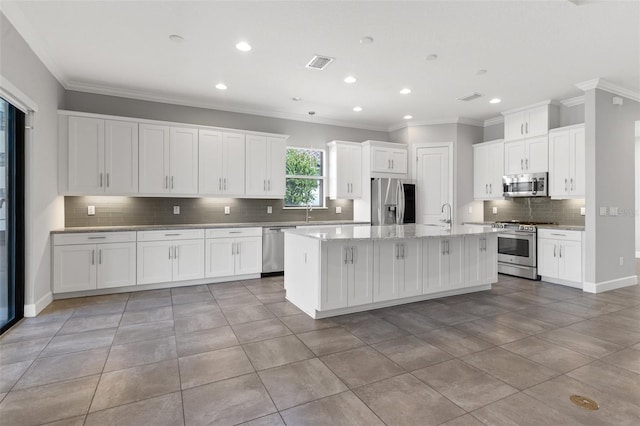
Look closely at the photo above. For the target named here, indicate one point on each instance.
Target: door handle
(166, 182)
(269, 184)
(402, 250)
(560, 251)
(565, 185)
(100, 257)
(526, 128)
(486, 188)
(100, 180)
(171, 182)
(97, 238)
(346, 255)
(521, 129)
(176, 251)
(238, 246)
(353, 254)
(107, 180)
(554, 250)
(397, 251)
(389, 163)
(392, 165)
(571, 183)
(448, 247)
(264, 185)
(521, 164)
(93, 257)
(526, 163)
(490, 188)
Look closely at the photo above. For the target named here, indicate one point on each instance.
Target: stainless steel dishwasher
(273, 249)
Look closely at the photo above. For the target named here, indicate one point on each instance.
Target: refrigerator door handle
(400, 208)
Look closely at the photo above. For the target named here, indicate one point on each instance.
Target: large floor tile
(205, 340)
(275, 352)
(491, 331)
(360, 366)
(330, 340)
(606, 331)
(283, 309)
(522, 410)
(523, 323)
(11, 373)
(184, 298)
(72, 421)
(412, 321)
(456, 342)
(209, 367)
(300, 382)
(270, 420)
(100, 309)
(163, 410)
(139, 304)
(227, 402)
(481, 308)
(248, 314)
(466, 420)
(147, 315)
(140, 353)
(275, 297)
(542, 313)
(301, 323)
(586, 312)
(202, 321)
(411, 353)
(548, 354)
(344, 409)
(513, 369)
(21, 351)
(448, 315)
(143, 331)
(469, 387)
(405, 400)
(48, 403)
(25, 331)
(90, 323)
(628, 358)
(190, 309)
(374, 331)
(618, 382)
(236, 302)
(591, 346)
(79, 342)
(136, 384)
(260, 330)
(146, 294)
(264, 287)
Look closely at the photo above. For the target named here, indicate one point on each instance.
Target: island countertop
(388, 232)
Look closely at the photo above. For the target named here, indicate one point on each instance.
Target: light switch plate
(91, 210)
(176, 209)
(338, 209)
(604, 211)
(227, 210)
(495, 210)
(613, 211)
(582, 211)
(269, 209)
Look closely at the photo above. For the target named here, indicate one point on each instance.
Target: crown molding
(607, 86)
(524, 108)
(571, 102)
(493, 121)
(452, 120)
(177, 100)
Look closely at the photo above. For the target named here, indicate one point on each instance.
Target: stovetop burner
(520, 225)
(526, 222)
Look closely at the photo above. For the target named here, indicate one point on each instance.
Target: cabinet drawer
(234, 232)
(560, 234)
(93, 238)
(168, 235)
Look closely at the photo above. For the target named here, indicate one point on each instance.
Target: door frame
(452, 174)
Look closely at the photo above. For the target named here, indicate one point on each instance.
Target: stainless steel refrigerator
(392, 202)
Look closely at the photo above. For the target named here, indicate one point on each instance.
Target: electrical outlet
(582, 211)
(176, 209)
(91, 210)
(495, 210)
(338, 210)
(227, 210)
(269, 209)
(621, 260)
(604, 211)
(470, 209)
(613, 211)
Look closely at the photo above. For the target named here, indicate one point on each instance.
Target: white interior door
(434, 183)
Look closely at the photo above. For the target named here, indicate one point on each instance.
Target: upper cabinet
(102, 156)
(168, 160)
(488, 169)
(345, 170)
(526, 156)
(221, 163)
(529, 122)
(265, 166)
(567, 162)
(386, 158)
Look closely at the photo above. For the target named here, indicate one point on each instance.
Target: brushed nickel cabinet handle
(521, 129)
(96, 238)
(93, 257)
(100, 180)
(100, 257)
(171, 182)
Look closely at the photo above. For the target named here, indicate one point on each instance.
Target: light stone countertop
(563, 227)
(389, 232)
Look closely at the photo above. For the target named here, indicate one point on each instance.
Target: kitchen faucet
(308, 209)
(447, 221)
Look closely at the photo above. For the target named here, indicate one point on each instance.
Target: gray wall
(571, 115)
(542, 209)
(21, 67)
(493, 132)
(302, 134)
(400, 136)
(466, 137)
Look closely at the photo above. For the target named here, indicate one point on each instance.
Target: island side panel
(302, 260)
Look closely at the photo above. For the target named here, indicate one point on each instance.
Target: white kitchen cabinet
(397, 269)
(348, 279)
(168, 160)
(567, 162)
(221, 157)
(102, 156)
(481, 259)
(89, 261)
(560, 256)
(388, 160)
(265, 166)
(345, 170)
(526, 156)
(528, 122)
(231, 252)
(165, 256)
(443, 264)
(488, 169)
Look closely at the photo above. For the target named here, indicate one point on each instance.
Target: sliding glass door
(12, 127)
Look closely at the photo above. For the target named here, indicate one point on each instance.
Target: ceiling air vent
(319, 62)
(469, 97)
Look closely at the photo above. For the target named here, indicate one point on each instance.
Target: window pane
(304, 162)
(302, 192)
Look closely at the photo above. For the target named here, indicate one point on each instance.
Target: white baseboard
(638, 255)
(610, 285)
(35, 308)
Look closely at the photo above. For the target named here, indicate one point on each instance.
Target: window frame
(322, 178)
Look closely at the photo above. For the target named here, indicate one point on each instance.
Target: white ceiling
(533, 50)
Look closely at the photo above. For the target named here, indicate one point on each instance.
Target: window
(305, 178)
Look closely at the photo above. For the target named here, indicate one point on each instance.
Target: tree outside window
(305, 178)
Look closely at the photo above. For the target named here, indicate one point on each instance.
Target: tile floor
(238, 352)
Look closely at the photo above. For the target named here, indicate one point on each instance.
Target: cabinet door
(473, 248)
(433, 250)
(155, 259)
(355, 172)
(256, 165)
(248, 256)
(537, 121)
(116, 265)
(548, 257)
(481, 164)
(496, 170)
(559, 164)
(380, 160)
(234, 159)
(514, 154)
(577, 176)
(220, 257)
(537, 159)
(343, 174)
(454, 260)
(183, 160)
(154, 159)
(570, 261)
(489, 259)
(74, 268)
(514, 125)
(360, 279)
(210, 162)
(188, 260)
(334, 283)
(277, 167)
(399, 159)
(410, 277)
(387, 270)
(86, 155)
(121, 157)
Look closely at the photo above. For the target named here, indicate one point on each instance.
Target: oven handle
(532, 234)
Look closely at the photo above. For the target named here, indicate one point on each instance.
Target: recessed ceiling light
(405, 91)
(481, 72)
(296, 99)
(350, 79)
(243, 46)
(366, 40)
(408, 117)
(221, 86)
(176, 38)
(432, 57)
(495, 101)
(357, 109)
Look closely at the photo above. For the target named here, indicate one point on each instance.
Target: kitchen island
(340, 270)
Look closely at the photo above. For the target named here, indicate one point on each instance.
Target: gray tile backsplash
(539, 209)
(122, 211)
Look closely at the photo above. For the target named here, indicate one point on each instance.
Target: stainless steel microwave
(526, 185)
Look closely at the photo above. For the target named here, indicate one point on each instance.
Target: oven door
(517, 248)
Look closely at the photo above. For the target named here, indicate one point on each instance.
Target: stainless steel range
(517, 248)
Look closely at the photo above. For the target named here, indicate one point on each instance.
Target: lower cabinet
(443, 264)
(480, 259)
(230, 252)
(165, 256)
(348, 277)
(397, 269)
(90, 261)
(560, 256)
